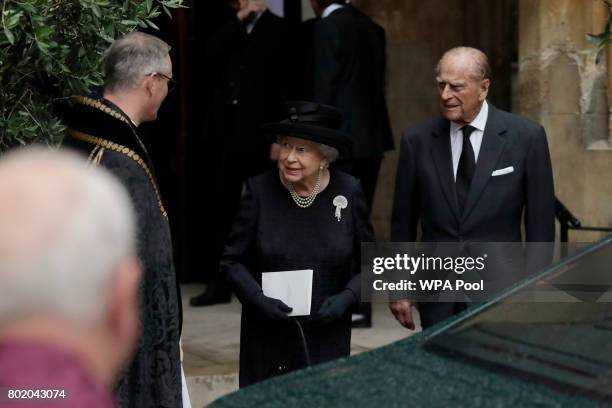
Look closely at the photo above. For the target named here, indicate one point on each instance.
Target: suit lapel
(443, 159)
(260, 24)
(490, 150)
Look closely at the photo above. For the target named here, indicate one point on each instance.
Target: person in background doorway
(350, 65)
(247, 86)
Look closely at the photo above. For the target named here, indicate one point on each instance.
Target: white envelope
(503, 171)
(294, 288)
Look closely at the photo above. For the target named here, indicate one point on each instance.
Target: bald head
(64, 228)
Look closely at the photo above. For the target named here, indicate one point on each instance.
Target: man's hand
(402, 310)
(250, 8)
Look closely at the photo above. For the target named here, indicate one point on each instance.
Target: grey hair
(480, 62)
(330, 153)
(130, 58)
(64, 229)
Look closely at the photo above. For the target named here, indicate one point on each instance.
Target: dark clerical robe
(100, 130)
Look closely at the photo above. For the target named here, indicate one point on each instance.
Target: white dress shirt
(456, 136)
(330, 9)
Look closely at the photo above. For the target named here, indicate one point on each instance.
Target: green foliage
(601, 40)
(51, 50)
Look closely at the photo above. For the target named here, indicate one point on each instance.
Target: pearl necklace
(305, 202)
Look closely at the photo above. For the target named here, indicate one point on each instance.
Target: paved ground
(211, 340)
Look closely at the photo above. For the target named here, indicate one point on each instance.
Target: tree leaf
(61, 43)
(14, 19)
(9, 36)
(96, 10)
(151, 24)
(27, 7)
(597, 39)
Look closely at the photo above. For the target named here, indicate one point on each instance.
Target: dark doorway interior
(184, 154)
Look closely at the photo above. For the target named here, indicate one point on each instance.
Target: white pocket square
(503, 171)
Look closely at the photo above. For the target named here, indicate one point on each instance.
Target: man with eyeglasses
(138, 77)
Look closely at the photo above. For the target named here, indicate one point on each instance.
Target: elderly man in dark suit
(470, 175)
(349, 59)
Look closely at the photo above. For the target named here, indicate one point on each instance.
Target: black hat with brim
(312, 121)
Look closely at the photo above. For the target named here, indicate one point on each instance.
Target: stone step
(211, 344)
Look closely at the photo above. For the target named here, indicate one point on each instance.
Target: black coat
(247, 82)
(271, 233)
(302, 67)
(425, 187)
(103, 133)
(349, 51)
(246, 87)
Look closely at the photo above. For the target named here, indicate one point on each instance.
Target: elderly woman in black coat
(302, 216)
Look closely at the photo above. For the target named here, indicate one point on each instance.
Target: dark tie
(467, 165)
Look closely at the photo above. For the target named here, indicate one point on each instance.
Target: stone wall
(567, 92)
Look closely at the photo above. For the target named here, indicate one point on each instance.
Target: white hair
(64, 229)
(480, 68)
(330, 153)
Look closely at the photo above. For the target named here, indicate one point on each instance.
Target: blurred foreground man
(472, 175)
(138, 78)
(69, 280)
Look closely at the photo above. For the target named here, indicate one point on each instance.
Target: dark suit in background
(350, 65)
(246, 87)
(302, 86)
(425, 190)
(349, 50)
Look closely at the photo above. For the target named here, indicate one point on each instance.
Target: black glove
(270, 308)
(334, 307)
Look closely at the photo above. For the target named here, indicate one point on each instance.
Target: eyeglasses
(171, 81)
